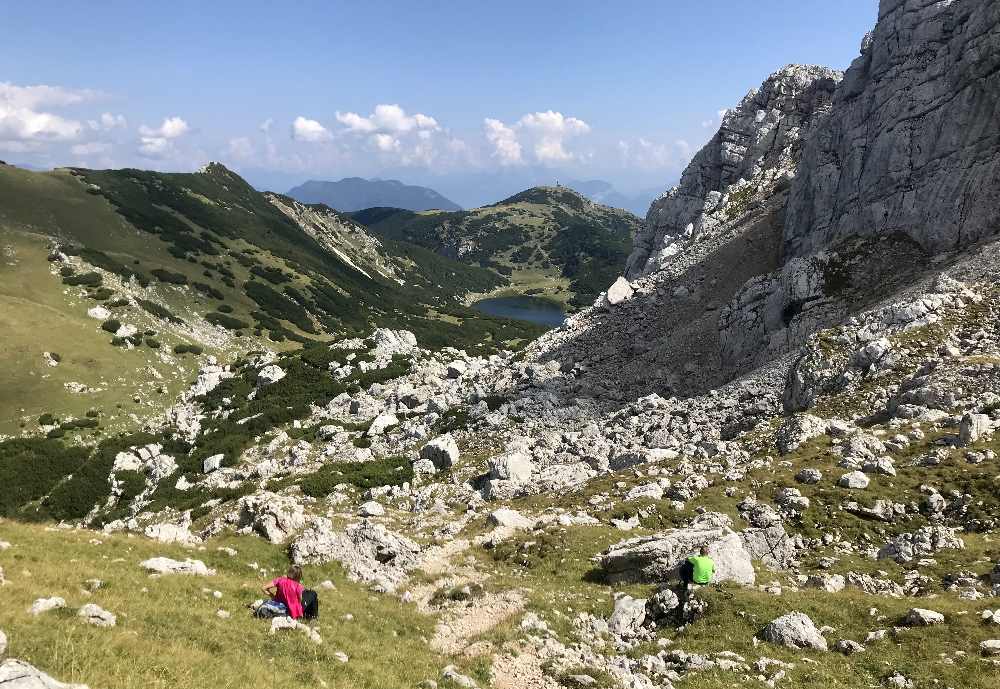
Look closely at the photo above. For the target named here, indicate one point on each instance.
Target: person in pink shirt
(286, 596)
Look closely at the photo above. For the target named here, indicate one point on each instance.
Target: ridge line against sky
(625, 92)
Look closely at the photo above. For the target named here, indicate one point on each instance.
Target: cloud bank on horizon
(56, 125)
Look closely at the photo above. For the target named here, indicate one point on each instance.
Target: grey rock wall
(911, 144)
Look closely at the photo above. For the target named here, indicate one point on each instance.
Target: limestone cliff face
(911, 144)
(755, 151)
(820, 195)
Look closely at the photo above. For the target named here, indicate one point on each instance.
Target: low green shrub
(74, 498)
(101, 294)
(391, 471)
(227, 322)
(112, 325)
(169, 277)
(30, 467)
(159, 311)
(84, 279)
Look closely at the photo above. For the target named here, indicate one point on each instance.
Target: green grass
(168, 634)
(36, 316)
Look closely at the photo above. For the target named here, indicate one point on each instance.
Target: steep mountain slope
(355, 193)
(548, 240)
(140, 264)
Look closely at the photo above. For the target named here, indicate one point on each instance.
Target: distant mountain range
(355, 193)
(604, 193)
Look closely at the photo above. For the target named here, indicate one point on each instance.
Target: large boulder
(368, 551)
(512, 466)
(173, 532)
(269, 374)
(794, 630)
(771, 545)
(17, 674)
(165, 565)
(389, 342)
(620, 291)
(922, 617)
(628, 616)
(799, 429)
(654, 559)
(275, 517)
(974, 427)
(442, 452)
(927, 540)
(382, 423)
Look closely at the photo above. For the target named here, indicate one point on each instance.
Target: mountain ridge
(355, 193)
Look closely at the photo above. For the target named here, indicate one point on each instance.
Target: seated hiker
(285, 596)
(698, 569)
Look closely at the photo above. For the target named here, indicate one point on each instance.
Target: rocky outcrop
(654, 559)
(273, 516)
(910, 144)
(755, 151)
(369, 552)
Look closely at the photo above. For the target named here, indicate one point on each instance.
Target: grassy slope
(38, 314)
(550, 241)
(168, 634)
(241, 233)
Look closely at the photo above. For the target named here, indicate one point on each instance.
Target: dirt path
(460, 625)
(522, 670)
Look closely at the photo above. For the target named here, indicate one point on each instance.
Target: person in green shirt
(698, 569)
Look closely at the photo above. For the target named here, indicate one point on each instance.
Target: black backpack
(310, 604)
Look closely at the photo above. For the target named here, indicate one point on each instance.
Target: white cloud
(385, 142)
(34, 97)
(266, 125)
(113, 121)
(305, 129)
(90, 149)
(506, 147)
(158, 142)
(647, 155)
(387, 119)
(544, 132)
(154, 146)
(171, 128)
(23, 118)
(241, 148)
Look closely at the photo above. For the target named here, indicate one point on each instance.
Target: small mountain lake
(523, 308)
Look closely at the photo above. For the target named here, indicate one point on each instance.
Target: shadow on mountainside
(667, 340)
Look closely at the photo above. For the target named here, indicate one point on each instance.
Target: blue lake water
(522, 308)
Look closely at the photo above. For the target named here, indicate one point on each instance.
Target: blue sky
(623, 91)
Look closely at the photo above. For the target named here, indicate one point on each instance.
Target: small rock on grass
(45, 604)
(921, 617)
(97, 616)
